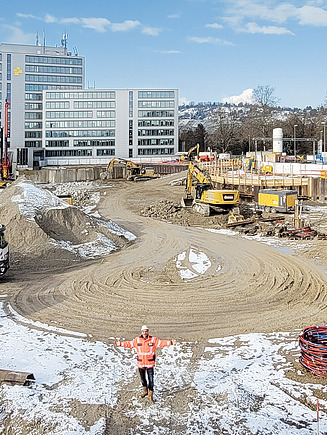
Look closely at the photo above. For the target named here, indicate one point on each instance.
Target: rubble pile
(175, 213)
(80, 192)
(163, 209)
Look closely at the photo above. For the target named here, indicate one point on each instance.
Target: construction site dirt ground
(243, 286)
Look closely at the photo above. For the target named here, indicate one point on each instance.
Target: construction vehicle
(4, 252)
(190, 151)
(277, 200)
(206, 198)
(267, 169)
(133, 171)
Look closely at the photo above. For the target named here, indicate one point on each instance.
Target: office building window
(81, 95)
(57, 143)
(33, 143)
(94, 143)
(54, 115)
(54, 60)
(53, 69)
(168, 103)
(94, 104)
(9, 92)
(80, 133)
(52, 79)
(8, 66)
(154, 151)
(156, 114)
(106, 152)
(69, 153)
(167, 141)
(156, 94)
(37, 97)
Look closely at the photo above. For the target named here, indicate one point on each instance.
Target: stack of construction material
(313, 345)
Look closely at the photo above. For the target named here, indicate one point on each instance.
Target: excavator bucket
(187, 202)
(16, 378)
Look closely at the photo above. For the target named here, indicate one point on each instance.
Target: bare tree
(226, 130)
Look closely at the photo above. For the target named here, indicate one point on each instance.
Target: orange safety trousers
(146, 349)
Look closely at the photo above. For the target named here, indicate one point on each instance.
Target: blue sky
(210, 50)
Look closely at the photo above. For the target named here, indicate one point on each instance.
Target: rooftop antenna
(37, 39)
(44, 41)
(64, 40)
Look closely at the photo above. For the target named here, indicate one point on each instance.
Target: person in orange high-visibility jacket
(146, 346)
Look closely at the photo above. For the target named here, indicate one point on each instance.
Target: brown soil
(249, 287)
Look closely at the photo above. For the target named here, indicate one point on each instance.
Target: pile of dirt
(45, 232)
(175, 213)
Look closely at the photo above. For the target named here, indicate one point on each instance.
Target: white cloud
(50, 19)
(267, 30)
(15, 35)
(245, 97)
(258, 9)
(125, 26)
(170, 51)
(73, 20)
(173, 16)
(184, 101)
(152, 31)
(214, 26)
(28, 16)
(97, 24)
(310, 15)
(208, 40)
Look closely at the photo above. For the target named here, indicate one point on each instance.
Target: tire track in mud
(248, 286)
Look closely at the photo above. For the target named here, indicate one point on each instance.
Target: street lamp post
(324, 124)
(295, 142)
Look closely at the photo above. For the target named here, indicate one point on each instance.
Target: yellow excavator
(190, 151)
(133, 171)
(207, 198)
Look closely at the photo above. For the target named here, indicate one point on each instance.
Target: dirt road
(246, 286)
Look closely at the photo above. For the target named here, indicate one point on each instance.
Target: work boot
(150, 396)
(145, 392)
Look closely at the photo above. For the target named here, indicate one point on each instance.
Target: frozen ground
(237, 386)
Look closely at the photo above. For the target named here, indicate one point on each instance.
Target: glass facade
(156, 94)
(169, 103)
(54, 60)
(53, 69)
(80, 133)
(81, 95)
(156, 114)
(155, 151)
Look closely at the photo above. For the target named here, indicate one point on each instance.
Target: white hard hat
(144, 327)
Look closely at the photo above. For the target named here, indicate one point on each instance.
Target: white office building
(93, 126)
(54, 120)
(25, 71)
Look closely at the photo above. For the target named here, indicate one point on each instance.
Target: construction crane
(207, 198)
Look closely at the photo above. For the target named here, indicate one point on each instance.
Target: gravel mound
(44, 231)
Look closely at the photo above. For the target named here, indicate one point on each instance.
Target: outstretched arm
(126, 344)
(164, 343)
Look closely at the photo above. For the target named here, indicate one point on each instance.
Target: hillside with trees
(229, 128)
